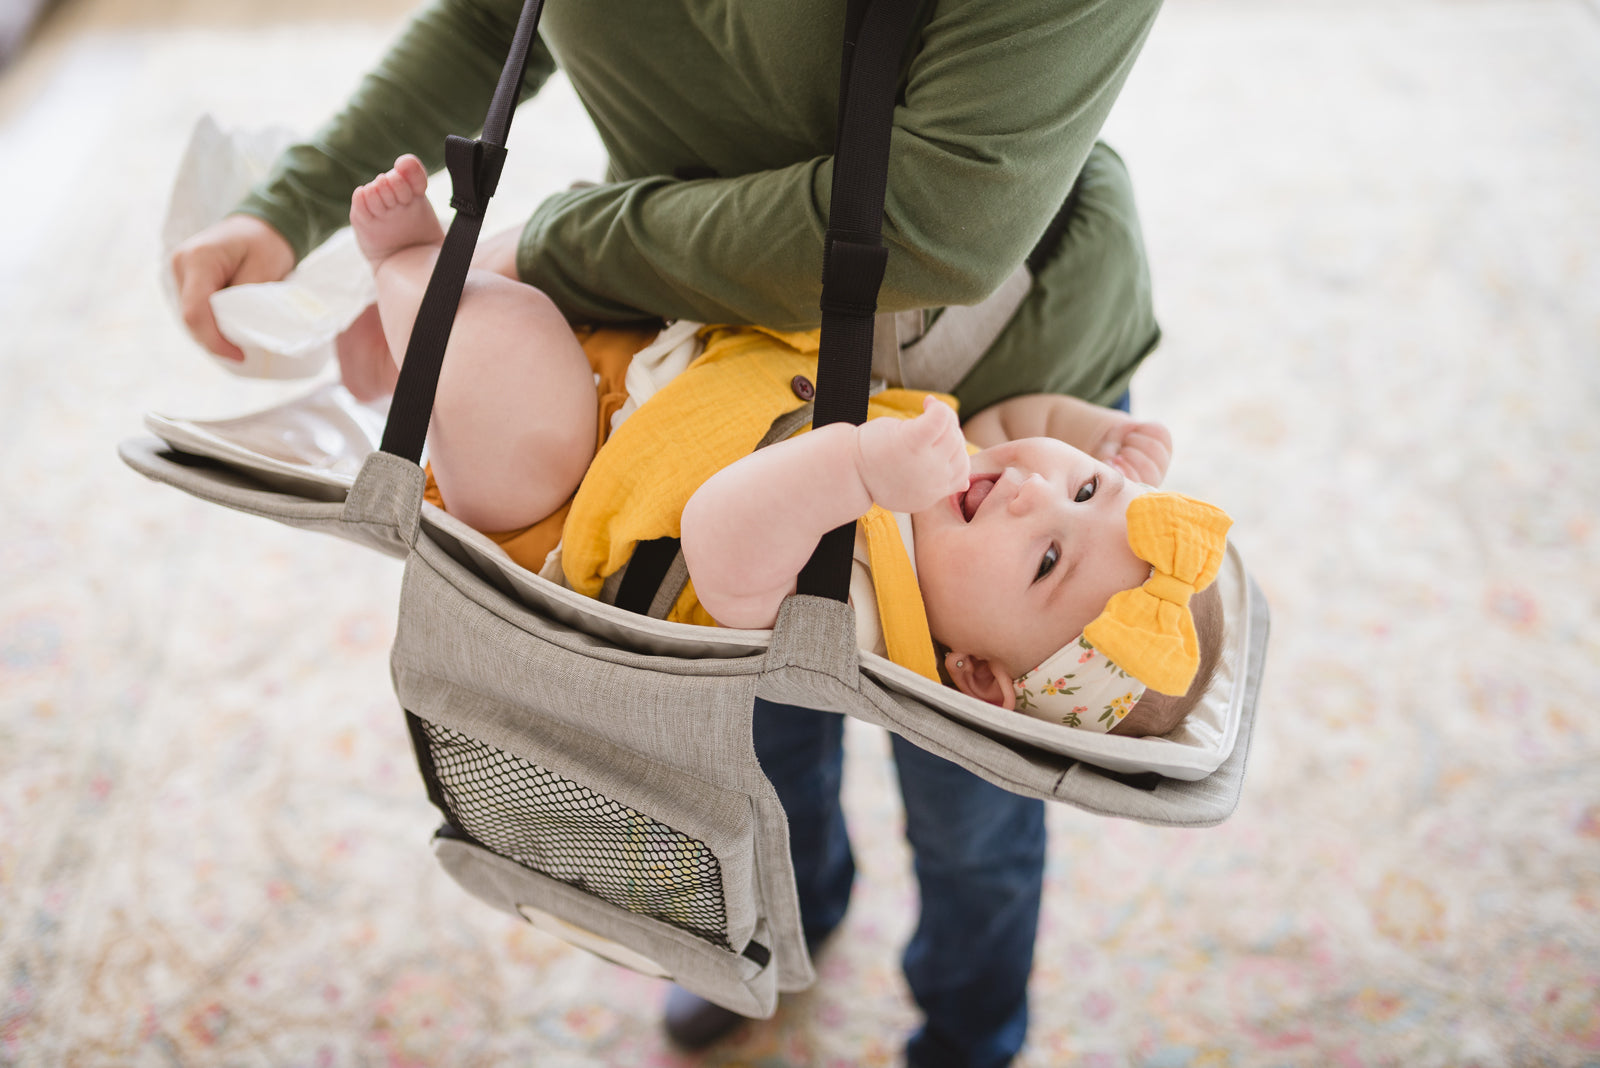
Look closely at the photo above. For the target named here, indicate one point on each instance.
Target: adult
(719, 119)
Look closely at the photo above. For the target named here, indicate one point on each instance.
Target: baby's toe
(412, 173)
(386, 193)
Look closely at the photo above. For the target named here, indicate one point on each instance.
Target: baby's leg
(513, 426)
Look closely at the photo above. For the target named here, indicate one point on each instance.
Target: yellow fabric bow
(1148, 631)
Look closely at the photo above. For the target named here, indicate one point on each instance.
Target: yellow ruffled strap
(1149, 631)
(894, 582)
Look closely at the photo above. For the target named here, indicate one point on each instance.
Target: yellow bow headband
(1148, 631)
(1145, 636)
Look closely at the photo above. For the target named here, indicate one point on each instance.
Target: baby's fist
(908, 465)
(1140, 449)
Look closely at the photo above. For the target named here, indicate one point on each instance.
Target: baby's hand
(1139, 449)
(908, 465)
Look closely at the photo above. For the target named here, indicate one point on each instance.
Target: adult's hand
(237, 250)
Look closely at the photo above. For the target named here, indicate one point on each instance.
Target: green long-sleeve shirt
(1001, 101)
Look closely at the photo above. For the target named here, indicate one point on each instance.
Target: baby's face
(1015, 567)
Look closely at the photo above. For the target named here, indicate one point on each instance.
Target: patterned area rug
(1376, 233)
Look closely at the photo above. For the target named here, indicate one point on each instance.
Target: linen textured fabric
(643, 731)
(717, 214)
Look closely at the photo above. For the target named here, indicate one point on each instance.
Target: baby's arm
(1140, 449)
(752, 526)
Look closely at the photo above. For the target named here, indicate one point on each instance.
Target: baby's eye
(1048, 562)
(1086, 490)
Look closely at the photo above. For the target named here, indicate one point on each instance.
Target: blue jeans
(979, 858)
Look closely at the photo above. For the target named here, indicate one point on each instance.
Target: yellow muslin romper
(713, 413)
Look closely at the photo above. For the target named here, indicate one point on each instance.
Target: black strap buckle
(474, 167)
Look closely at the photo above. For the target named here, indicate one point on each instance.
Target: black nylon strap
(854, 257)
(407, 427)
(474, 167)
(497, 124)
(647, 568)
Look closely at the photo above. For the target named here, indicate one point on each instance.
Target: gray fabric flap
(711, 814)
(811, 664)
(1153, 799)
(886, 342)
(378, 511)
(471, 658)
(940, 357)
(730, 980)
(817, 634)
(1195, 750)
(813, 659)
(386, 500)
(477, 559)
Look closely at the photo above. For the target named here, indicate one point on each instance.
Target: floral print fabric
(1078, 687)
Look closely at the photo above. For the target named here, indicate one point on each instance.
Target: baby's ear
(973, 676)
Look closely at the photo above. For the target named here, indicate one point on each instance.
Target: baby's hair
(1159, 713)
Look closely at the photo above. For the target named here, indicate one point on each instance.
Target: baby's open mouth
(975, 494)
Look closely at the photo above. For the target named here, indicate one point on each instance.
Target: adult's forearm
(746, 249)
(1000, 111)
(436, 79)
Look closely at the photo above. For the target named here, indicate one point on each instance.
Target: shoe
(693, 1023)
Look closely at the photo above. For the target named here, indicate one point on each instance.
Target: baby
(1050, 581)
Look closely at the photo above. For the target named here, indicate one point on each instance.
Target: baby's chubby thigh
(514, 420)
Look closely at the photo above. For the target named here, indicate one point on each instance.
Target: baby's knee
(496, 294)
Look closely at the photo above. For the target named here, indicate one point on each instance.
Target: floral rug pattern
(1376, 235)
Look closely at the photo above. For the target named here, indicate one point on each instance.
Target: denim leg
(802, 752)
(979, 858)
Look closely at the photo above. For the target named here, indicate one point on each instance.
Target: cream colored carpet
(1376, 232)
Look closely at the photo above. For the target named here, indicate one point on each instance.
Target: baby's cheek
(938, 599)
(959, 599)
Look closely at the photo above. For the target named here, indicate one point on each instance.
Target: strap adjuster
(852, 273)
(474, 166)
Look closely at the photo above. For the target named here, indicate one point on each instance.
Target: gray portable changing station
(595, 767)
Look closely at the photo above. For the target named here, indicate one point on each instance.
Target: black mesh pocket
(566, 831)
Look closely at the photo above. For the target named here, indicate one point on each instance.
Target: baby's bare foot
(391, 212)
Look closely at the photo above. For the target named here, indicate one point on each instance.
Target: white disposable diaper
(286, 329)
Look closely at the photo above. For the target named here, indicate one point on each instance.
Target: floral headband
(1145, 637)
